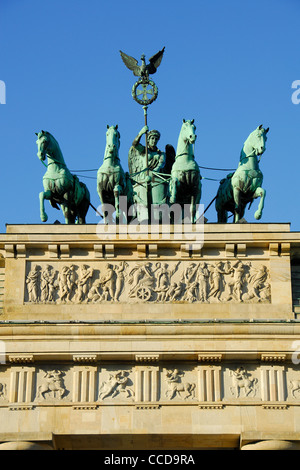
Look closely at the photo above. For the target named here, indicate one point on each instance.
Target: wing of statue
(170, 159)
(131, 63)
(155, 61)
(135, 161)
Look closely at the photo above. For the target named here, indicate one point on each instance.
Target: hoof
(44, 218)
(257, 215)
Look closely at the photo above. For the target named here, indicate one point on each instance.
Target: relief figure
(242, 380)
(52, 382)
(142, 280)
(294, 386)
(216, 281)
(84, 282)
(47, 284)
(117, 383)
(258, 289)
(234, 285)
(203, 280)
(66, 282)
(222, 281)
(177, 387)
(108, 281)
(32, 282)
(163, 280)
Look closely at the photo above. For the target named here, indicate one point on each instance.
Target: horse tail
(224, 192)
(81, 191)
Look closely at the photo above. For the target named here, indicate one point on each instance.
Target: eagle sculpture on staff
(143, 70)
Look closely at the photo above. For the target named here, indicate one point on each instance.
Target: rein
(54, 161)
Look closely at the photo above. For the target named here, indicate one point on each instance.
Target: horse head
(112, 141)
(43, 144)
(257, 141)
(188, 131)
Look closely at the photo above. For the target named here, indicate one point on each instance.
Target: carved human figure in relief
(235, 282)
(175, 291)
(108, 280)
(163, 280)
(32, 282)
(47, 284)
(216, 280)
(294, 385)
(257, 286)
(120, 279)
(242, 380)
(52, 382)
(190, 280)
(117, 383)
(203, 279)
(71, 281)
(95, 292)
(3, 390)
(177, 387)
(66, 281)
(140, 275)
(84, 282)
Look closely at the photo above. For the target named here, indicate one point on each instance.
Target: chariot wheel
(143, 293)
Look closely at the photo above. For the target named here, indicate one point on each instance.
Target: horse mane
(55, 142)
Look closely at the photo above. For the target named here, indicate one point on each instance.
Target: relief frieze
(145, 281)
(179, 383)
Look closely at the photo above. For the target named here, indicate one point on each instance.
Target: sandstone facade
(149, 340)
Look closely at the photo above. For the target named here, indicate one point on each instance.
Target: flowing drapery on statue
(60, 186)
(185, 184)
(112, 181)
(150, 185)
(244, 185)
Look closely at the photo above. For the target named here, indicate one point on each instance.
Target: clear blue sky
(228, 64)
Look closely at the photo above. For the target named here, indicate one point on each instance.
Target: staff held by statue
(144, 92)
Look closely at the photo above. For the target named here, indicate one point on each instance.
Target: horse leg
(117, 191)
(259, 192)
(44, 195)
(237, 202)
(189, 391)
(222, 216)
(41, 391)
(69, 214)
(192, 209)
(66, 212)
(196, 201)
(83, 210)
(173, 190)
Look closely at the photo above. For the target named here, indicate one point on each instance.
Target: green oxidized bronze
(60, 186)
(185, 184)
(144, 93)
(156, 178)
(112, 181)
(149, 167)
(244, 185)
(149, 173)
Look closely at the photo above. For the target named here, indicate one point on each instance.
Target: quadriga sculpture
(244, 185)
(60, 186)
(112, 181)
(185, 183)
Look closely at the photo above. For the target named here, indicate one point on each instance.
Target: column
(272, 383)
(146, 383)
(209, 378)
(84, 380)
(21, 383)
